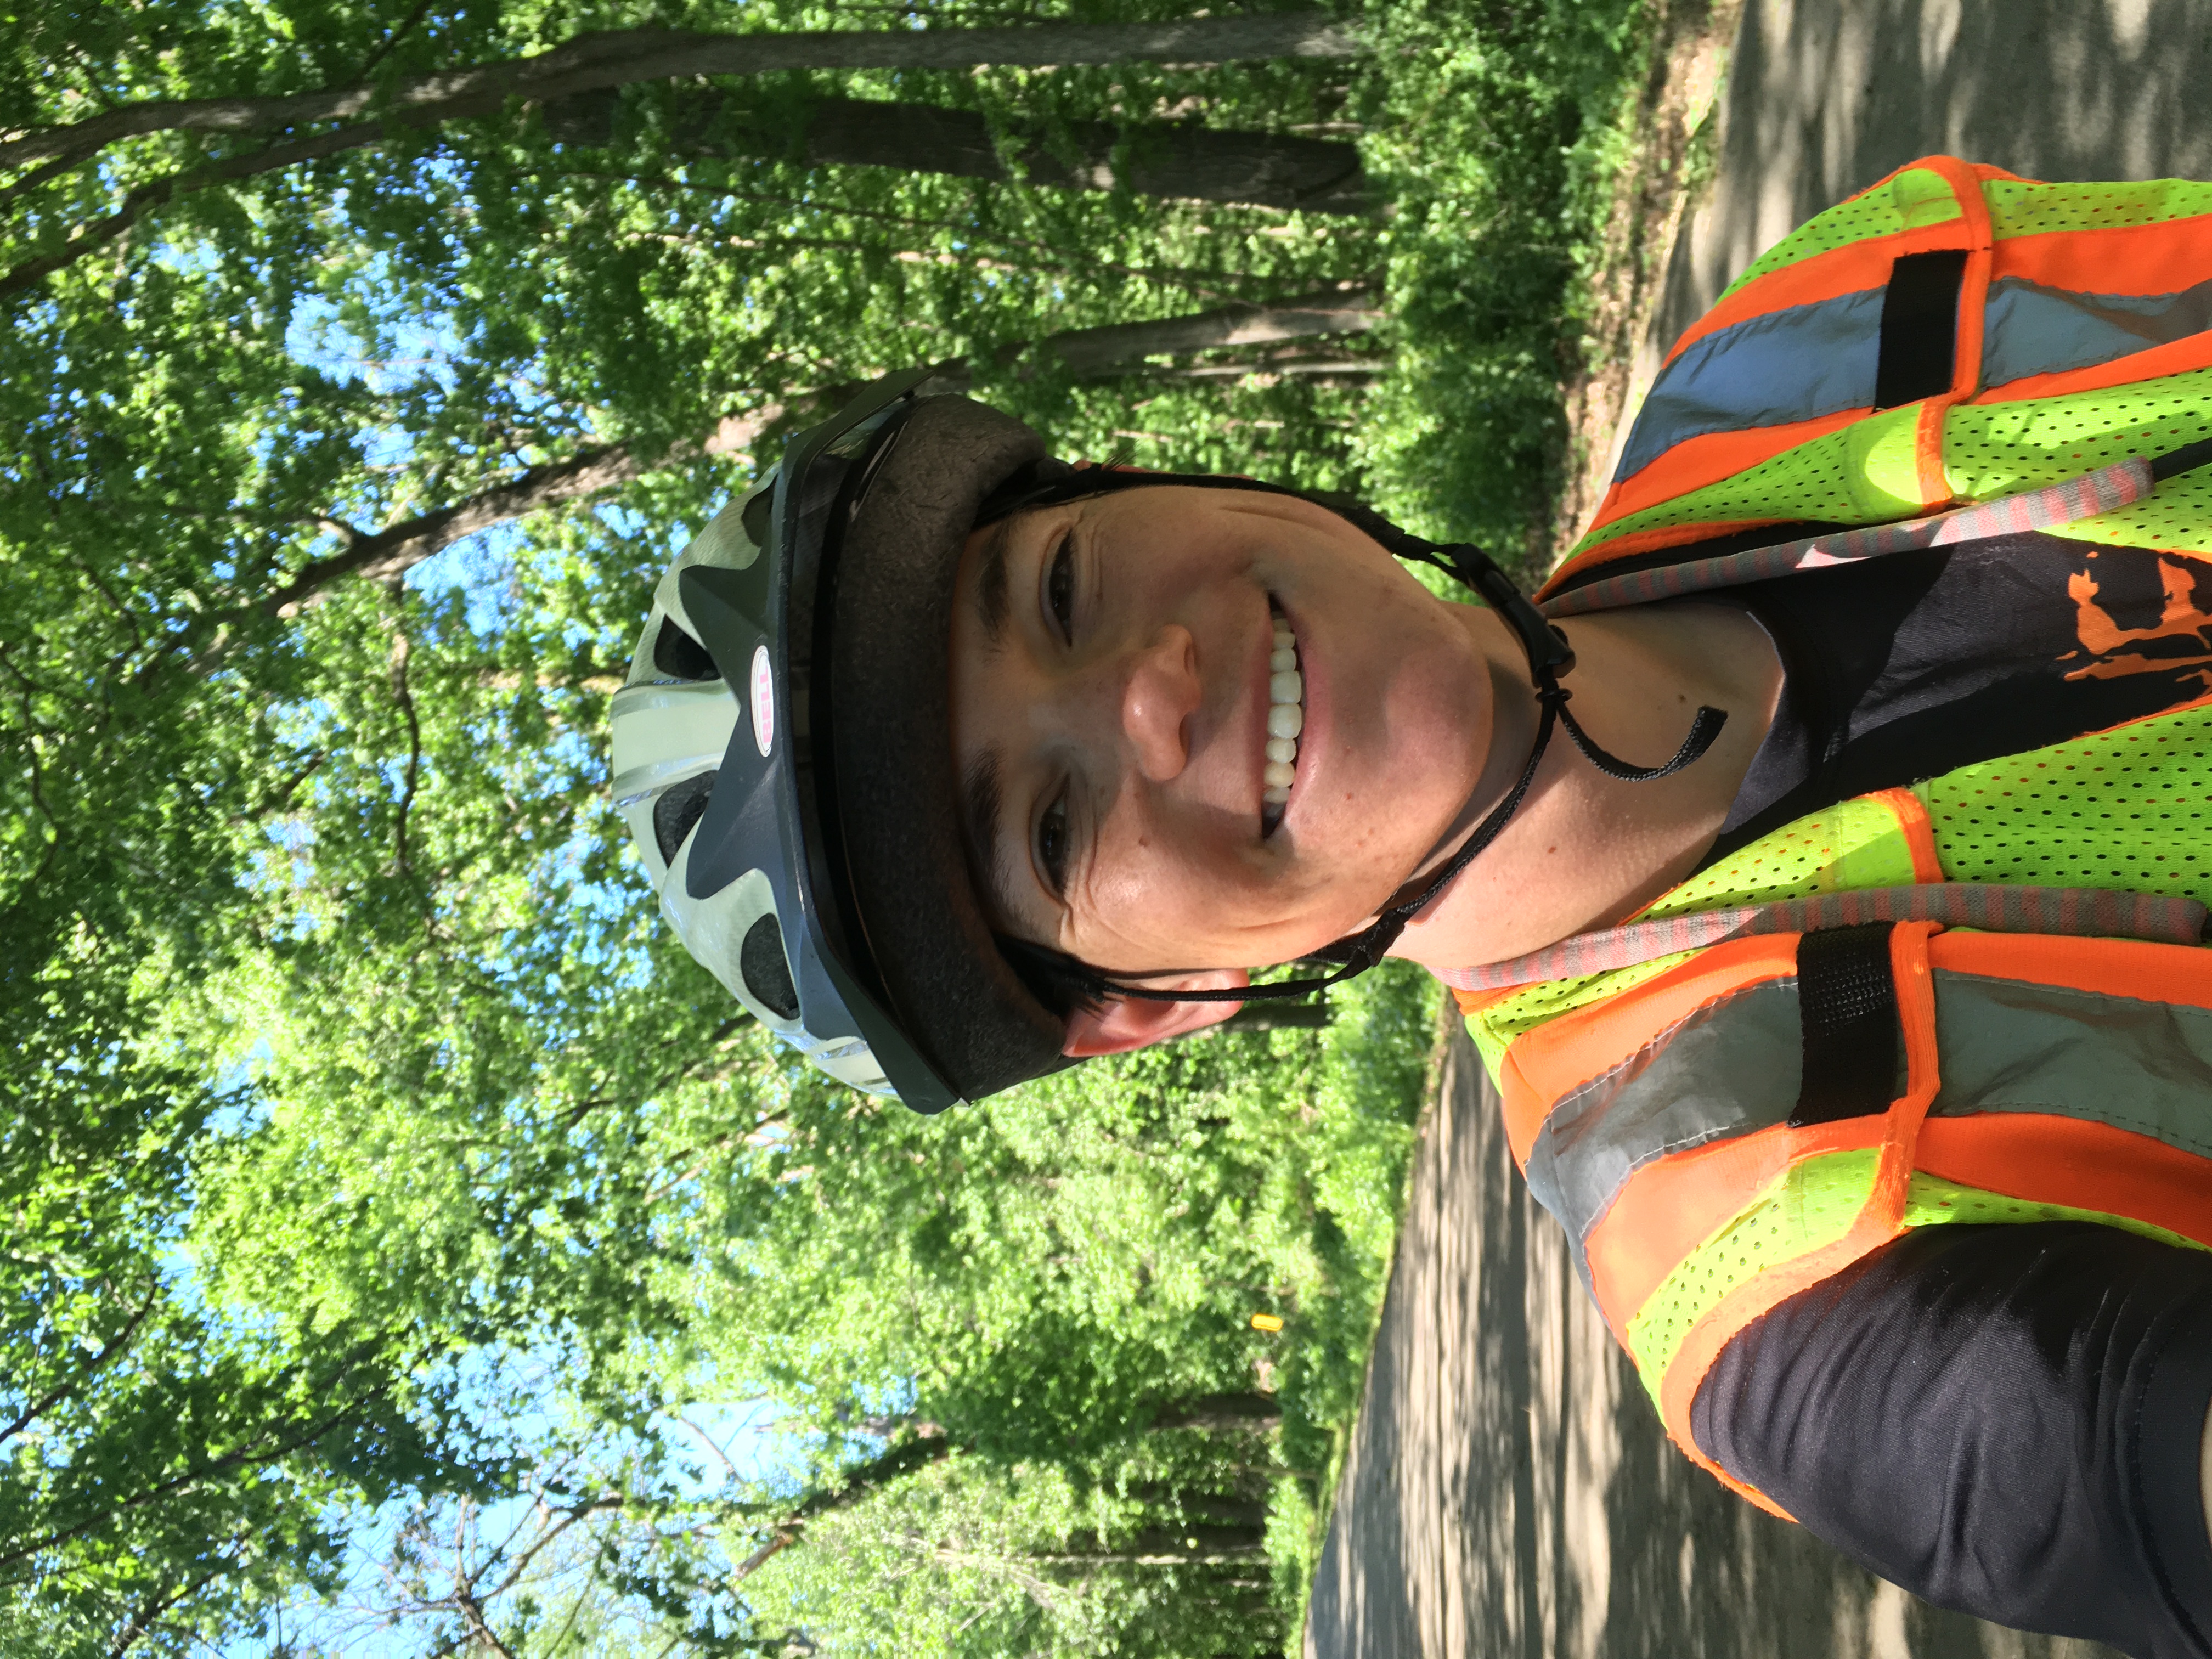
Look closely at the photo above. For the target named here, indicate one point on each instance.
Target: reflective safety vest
(1718, 1129)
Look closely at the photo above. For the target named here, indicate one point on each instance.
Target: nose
(1158, 700)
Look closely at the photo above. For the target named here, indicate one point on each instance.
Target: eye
(1052, 842)
(1060, 587)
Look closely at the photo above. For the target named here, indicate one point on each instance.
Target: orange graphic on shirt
(2102, 637)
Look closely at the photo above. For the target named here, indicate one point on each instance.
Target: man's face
(1111, 694)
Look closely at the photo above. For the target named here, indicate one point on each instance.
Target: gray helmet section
(681, 727)
(898, 788)
(797, 813)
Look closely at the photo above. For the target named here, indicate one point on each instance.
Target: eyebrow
(981, 798)
(991, 585)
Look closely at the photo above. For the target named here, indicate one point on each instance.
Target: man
(1841, 973)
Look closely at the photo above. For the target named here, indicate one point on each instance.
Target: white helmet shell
(670, 732)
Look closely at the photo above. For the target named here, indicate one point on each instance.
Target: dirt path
(1509, 1492)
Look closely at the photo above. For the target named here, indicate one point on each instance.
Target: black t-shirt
(2002, 1419)
(1908, 666)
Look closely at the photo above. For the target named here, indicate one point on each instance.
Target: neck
(1586, 850)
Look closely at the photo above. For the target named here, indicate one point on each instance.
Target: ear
(1127, 1023)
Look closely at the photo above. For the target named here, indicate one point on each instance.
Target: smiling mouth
(1286, 718)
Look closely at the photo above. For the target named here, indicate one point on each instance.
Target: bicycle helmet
(783, 753)
(783, 750)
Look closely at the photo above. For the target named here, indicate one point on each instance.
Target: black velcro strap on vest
(1847, 1002)
(1919, 327)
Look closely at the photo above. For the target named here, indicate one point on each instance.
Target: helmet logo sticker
(764, 690)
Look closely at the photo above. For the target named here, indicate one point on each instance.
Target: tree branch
(1089, 352)
(407, 27)
(96, 234)
(406, 699)
(399, 548)
(20, 1550)
(568, 1517)
(614, 58)
(142, 1622)
(61, 1391)
(857, 1483)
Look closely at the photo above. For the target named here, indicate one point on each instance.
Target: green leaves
(378, 1177)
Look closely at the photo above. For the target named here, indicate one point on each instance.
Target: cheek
(1161, 899)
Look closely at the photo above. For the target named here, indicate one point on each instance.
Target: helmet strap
(1549, 656)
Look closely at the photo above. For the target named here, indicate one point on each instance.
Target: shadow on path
(1825, 97)
(1510, 1493)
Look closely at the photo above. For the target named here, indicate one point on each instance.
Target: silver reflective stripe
(1730, 1067)
(2029, 329)
(1789, 365)
(2007, 1046)
(1735, 1066)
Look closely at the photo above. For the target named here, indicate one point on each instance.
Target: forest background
(404, 1249)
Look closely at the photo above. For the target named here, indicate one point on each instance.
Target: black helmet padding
(898, 787)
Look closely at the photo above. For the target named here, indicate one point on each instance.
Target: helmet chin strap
(1549, 656)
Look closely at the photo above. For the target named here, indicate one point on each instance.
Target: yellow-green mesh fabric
(1995, 449)
(1811, 1207)
(1865, 473)
(1920, 197)
(2035, 209)
(1915, 196)
(1853, 844)
(2129, 809)
(2179, 517)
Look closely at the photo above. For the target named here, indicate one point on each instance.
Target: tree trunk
(605, 59)
(616, 57)
(1159, 159)
(1197, 1544)
(847, 1488)
(1218, 1509)
(1257, 1412)
(1092, 352)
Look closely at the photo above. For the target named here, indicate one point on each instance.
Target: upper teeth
(1286, 715)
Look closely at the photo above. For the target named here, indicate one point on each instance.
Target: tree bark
(1159, 159)
(855, 1484)
(1093, 352)
(1197, 1544)
(1221, 1411)
(592, 61)
(613, 57)
(392, 551)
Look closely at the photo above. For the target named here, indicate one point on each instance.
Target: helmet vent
(678, 810)
(679, 656)
(767, 974)
(758, 515)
